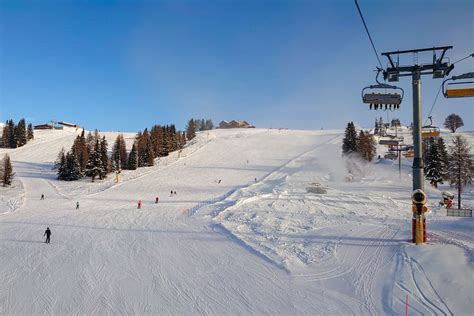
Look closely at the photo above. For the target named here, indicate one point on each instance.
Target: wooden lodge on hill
(235, 124)
(55, 125)
(44, 126)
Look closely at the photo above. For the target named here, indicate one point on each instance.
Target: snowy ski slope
(282, 233)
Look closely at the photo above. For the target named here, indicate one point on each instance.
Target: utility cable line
(368, 33)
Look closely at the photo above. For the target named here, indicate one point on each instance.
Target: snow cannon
(418, 199)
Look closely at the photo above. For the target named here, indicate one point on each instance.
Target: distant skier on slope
(47, 233)
(157, 199)
(77, 205)
(139, 204)
(42, 196)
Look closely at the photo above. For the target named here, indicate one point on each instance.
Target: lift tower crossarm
(419, 50)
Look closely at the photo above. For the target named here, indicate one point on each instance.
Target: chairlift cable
(470, 55)
(368, 33)
(434, 103)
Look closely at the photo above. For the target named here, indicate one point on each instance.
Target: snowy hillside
(263, 222)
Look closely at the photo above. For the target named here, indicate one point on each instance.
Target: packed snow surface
(263, 222)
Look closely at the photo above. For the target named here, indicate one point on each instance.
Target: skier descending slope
(47, 233)
(139, 206)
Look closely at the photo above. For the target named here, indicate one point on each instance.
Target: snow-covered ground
(282, 233)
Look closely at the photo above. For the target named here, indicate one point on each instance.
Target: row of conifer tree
(88, 156)
(16, 135)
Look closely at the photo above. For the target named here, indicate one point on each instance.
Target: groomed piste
(264, 221)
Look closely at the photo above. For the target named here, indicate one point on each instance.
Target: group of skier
(157, 199)
(47, 232)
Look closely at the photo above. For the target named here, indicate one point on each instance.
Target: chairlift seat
(459, 93)
(382, 98)
(463, 88)
(377, 95)
(430, 131)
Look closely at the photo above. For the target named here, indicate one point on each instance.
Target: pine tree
(443, 153)
(182, 139)
(69, 167)
(157, 138)
(132, 163)
(119, 153)
(116, 154)
(61, 165)
(11, 135)
(170, 141)
(166, 142)
(60, 158)
(202, 125)
(30, 132)
(426, 144)
(460, 166)
(147, 155)
(5, 135)
(172, 138)
(73, 166)
(89, 140)
(367, 146)
(140, 146)
(7, 171)
(20, 133)
(123, 151)
(104, 157)
(433, 166)
(349, 143)
(81, 150)
(209, 125)
(191, 129)
(94, 166)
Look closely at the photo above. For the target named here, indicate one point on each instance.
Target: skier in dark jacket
(77, 205)
(42, 196)
(47, 233)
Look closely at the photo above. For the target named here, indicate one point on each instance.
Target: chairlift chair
(382, 100)
(430, 130)
(461, 89)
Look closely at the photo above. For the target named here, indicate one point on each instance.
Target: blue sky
(125, 65)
